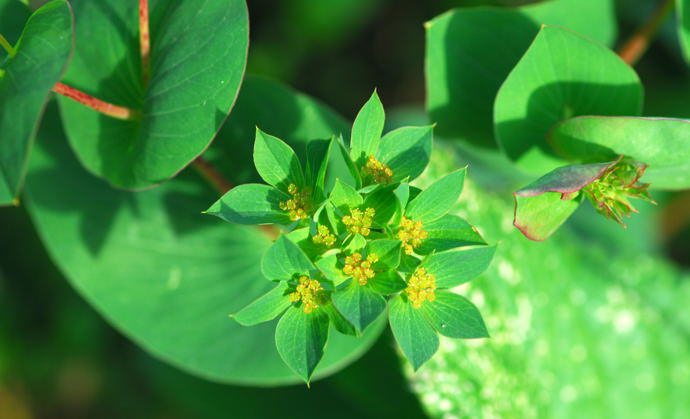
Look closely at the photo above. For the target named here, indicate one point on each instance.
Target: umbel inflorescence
(355, 242)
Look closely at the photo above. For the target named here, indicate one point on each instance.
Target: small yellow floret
(359, 222)
(299, 205)
(378, 171)
(421, 287)
(411, 234)
(324, 236)
(307, 292)
(360, 269)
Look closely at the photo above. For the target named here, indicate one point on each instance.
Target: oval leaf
(561, 75)
(367, 130)
(435, 201)
(449, 232)
(455, 267)
(359, 304)
(300, 339)
(265, 308)
(454, 316)
(284, 259)
(417, 339)
(661, 143)
(198, 57)
(406, 151)
(251, 204)
(276, 162)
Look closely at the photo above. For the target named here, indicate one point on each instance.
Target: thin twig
(633, 49)
(144, 41)
(213, 176)
(115, 111)
(7, 46)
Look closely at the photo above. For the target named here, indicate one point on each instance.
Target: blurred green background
(59, 359)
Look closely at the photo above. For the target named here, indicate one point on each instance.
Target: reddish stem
(213, 176)
(633, 49)
(144, 41)
(105, 108)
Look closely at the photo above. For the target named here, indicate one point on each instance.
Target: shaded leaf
(561, 75)
(359, 304)
(387, 282)
(388, 252)
(406, 151)
(417, 339)
(265, 308)
(300, 339)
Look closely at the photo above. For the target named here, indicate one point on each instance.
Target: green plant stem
(115, 111)
(633, 49)
(7, 47)
(144, 41)
(222, 185)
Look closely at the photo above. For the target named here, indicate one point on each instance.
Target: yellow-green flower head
(299, 205)
(359, 222)
(359, 269)
(377, 170)
(307, 292)
(421, 287)
(411, 234)
(324, 236)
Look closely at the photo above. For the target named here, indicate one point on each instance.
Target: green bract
(347, 248)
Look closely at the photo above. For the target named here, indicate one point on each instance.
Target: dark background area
(59, 358)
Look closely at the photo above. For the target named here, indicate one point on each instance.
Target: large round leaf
(25, 84)
(470, 51)
(561, 75)
(198, 56)
(160, 271)
(661, 143)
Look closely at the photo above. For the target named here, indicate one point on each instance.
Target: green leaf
(332, 269)
(12, 19)
(338, 321)
(251, 204)
(42, 54)
(156, 269)
(436, 200)
(318, 154)
(455, 267)
(661, 143)
(344, 196)
(300, 339)
(367, 130)
(284, 259)
(544, 205)
(454, 316)
(384, 202)
(359, 304)
(387, 283)
(470, 51)
(276, 162)
(561, 75)
(351, 167)
(406, 151)
(417, 339)
(199, 52)
(449, 232)
(538, 217)
(357, 243)
(265, 308)
(388, 252)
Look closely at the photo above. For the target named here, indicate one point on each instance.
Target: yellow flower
(360, 269)
(421, 287)
(411, 234)
(377, 170)
(324, 237)
(299, 205)
(359, 222)
(307, 292)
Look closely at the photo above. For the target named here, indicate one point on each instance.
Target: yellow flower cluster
(421, 287)
(307, 292)
(324, 237)
(359, 222)
(299, 205)
(411, 234)
(377, 170)
(360, 269)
